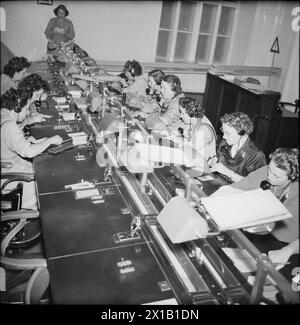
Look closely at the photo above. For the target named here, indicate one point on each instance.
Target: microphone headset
(18, 108)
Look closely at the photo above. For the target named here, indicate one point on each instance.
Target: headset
(18, 108)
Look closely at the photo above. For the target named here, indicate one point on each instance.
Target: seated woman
(171, 93)
(151, 99)
(237, 154)
(136, 83)
(282, 174)
(197, 131)
(14, 71)
(34, 83)
(14, 146)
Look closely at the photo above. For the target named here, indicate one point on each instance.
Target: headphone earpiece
(158, 82)
(242, 132)
(18, 108)
(132, 72)
(147, 91)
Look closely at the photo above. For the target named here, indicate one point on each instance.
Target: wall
(106, 29)
(121, 30)
(273, 19)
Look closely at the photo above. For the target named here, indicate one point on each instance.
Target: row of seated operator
(167, 110)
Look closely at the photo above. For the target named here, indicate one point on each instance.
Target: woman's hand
(34, 140)
(37, 118)
(279, 256)
(220, 168)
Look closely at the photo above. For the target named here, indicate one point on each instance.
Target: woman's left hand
(34, 140)
(38, 118)
(220, 168)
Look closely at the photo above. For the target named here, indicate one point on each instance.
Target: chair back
(37, 285)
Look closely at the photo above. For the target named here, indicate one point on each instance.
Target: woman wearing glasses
(237, 154)
(282, 174)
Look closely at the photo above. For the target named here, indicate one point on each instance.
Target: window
(195, 32)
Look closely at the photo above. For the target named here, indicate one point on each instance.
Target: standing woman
(59, 29)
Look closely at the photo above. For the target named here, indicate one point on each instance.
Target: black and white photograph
(149, 156)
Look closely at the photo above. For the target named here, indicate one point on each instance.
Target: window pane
(168, 14)
(208, 19)
(187, 15)
(221, 50)
(203, 48)
(226, 21)
(183, 44)
(163, 45)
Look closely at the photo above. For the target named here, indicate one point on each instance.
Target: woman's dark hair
(287, 159)
(63, 8)
(16, 64)
(157, 75)
(34, 82)
(241, 122)
(175, 83)
(14, 98)
(192, 107)
(133, 67)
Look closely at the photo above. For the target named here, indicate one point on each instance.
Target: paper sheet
(86, 193)
(68, 116)
(245, 209)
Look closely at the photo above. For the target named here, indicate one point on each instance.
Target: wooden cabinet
(271, 128)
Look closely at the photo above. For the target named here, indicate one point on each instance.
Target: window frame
(195, 32)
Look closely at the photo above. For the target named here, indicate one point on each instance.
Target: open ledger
(245, 209)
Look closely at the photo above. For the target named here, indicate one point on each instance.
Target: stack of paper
(78, 138)
(68, 116)
(245, 209)
(60, 100)
(75, 91)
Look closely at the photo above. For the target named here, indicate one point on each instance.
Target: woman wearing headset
(14, 71)
(152, 97)
(282, 174)
(14, 146)
(39, 87)
(170, 115)
(197, 131)
(136, 83)
(237, 154)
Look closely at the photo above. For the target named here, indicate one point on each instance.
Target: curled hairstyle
(16, 64)
(175, 83)
(63, 8)
(287, 159)
(192, 107)
(133, 67)
(239, 121)
(14, 98)
(157, 75)
(34, 82)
